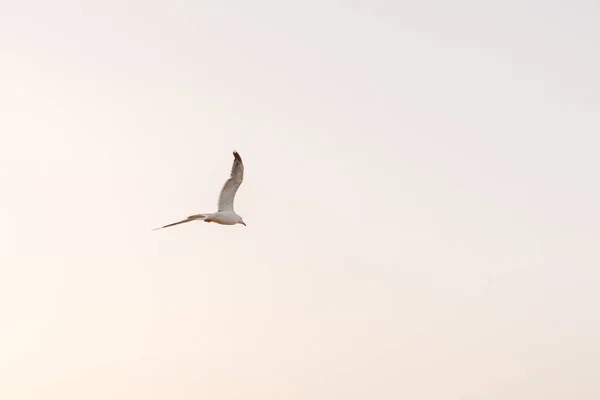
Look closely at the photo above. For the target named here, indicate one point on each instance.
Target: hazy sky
(422, 196)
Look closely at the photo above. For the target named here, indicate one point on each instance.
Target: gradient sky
(422, 196)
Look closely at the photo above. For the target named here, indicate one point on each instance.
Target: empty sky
(421, 193)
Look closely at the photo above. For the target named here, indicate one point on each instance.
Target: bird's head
(241, 221)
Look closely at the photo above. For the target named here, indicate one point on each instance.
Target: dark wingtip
(237, 155)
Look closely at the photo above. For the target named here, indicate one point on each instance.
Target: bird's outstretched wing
(188, 219)
(233, 183)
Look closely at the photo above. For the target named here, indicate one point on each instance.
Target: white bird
(225, 215)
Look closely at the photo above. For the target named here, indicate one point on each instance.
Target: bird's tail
(188, 219)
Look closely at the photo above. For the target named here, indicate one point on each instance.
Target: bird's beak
(243, 223)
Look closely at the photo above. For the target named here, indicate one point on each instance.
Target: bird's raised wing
(233, 183)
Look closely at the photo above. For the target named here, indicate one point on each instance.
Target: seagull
(225, 215)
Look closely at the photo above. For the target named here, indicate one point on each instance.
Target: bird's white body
(223, 218)
(226, 215)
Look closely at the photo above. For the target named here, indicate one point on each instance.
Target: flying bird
(225, 215)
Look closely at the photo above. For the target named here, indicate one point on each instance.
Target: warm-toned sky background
(422, 198)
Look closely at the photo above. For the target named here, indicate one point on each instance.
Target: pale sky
(422, 195)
